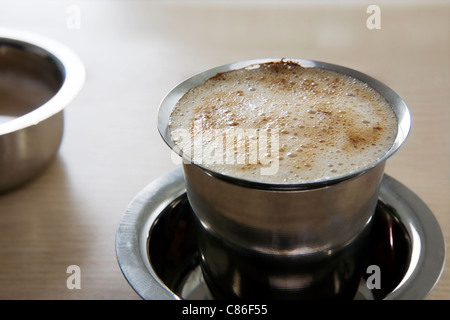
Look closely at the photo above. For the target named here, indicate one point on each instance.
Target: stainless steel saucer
(156, 249)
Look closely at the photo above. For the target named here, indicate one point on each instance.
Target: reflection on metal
(148, 225)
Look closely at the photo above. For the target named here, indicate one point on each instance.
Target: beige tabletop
(136, 51)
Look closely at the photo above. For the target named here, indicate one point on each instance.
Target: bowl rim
(70, 65)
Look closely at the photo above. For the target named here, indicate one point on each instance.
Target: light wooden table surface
(135, 52)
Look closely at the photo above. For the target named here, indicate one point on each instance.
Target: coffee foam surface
(307, 124)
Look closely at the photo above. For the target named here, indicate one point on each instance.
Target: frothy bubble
(298, 124)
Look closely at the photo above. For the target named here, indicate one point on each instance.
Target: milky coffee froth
(282, 123)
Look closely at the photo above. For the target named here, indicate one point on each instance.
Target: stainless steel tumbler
(280, 240)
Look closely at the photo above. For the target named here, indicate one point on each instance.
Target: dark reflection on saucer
(389, 249)
(157, 252)
(172, 246)
(173, 252)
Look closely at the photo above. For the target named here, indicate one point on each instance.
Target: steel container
(39, 77)
(283, 240)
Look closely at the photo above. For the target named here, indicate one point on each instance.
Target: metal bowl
(158, 255)
(38, 79)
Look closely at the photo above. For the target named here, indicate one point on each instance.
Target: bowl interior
(29, 77)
